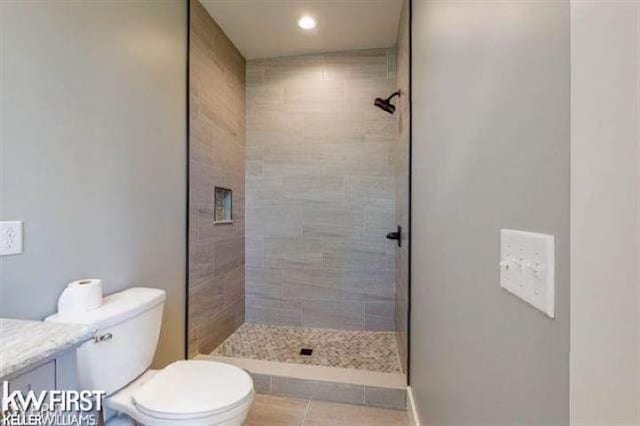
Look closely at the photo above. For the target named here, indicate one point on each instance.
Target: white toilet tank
(128, 328)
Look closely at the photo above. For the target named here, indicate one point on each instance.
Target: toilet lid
(193, 389)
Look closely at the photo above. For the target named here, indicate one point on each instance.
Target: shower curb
(345, 385)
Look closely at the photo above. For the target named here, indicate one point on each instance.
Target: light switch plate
(527, 268)
(10, 238)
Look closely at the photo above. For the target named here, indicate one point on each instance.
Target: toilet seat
(196, 389)
(187, 392)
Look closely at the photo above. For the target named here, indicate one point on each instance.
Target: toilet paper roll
(80, 296)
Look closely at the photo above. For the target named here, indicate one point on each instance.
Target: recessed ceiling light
(307, 22)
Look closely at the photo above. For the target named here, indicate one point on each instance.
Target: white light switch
(10, 238)
(527, 268)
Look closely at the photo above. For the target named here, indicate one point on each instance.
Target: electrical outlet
(527, 268)
(10, 238)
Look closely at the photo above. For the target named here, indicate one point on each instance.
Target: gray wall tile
(343, 159)
(362, 64)
(254, 251)
(380, 308)
(312, 284)
(273, 311)
(362, 254)
(371, 187)
(315, 188)
(292, 252)
(322, 219)
(217, 158)
(369, 285)
(319, 97)
(346, 315)
(261, 382)
(334, 127)
(380, 315)
(331, 391)
(265, 282)
(255, 73)
(282, 220)
(294, 69)
(375, 323)
(387, 398)
(379, 219)
(228, 254)
(293, 160)
(313, 389)
(320, 189)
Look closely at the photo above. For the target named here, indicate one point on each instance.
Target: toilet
(117, 361)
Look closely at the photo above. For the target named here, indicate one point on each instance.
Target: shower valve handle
(396, 236)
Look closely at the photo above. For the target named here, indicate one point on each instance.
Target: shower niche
(223, 212)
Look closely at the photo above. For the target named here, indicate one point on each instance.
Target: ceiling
(268, 28)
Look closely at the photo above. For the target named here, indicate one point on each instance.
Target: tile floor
(269, 410)
(362, 350)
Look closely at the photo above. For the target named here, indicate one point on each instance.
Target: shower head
(385, 104)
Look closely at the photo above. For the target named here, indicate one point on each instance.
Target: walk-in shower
(307, 279)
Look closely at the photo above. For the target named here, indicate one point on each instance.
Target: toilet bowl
(193, 393)
(117, 361)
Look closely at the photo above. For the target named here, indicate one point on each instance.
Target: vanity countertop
(25, 343)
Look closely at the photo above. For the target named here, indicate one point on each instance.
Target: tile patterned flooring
(269, 410)
(362, 350)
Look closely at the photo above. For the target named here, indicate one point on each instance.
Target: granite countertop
(25, 343)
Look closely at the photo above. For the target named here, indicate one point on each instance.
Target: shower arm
(393, 95)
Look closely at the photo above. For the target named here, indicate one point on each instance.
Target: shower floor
(362, 350)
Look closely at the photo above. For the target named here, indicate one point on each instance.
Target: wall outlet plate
(527, 268)
(10, 238)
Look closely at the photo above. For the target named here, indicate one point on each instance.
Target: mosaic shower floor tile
(362, 350)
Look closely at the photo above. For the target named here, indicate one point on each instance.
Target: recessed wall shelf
(223, 207)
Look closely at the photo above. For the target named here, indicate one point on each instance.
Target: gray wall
(216, 251)
(490, 151)
(93, 152)
(605, 200)
(320, 191)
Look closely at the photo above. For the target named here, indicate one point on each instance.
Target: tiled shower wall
(321, 191)
(216, 252)
(401, 159)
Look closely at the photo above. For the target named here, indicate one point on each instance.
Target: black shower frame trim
(410, 100)
(187, 211)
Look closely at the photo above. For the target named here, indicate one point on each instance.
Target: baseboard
(412, 412)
